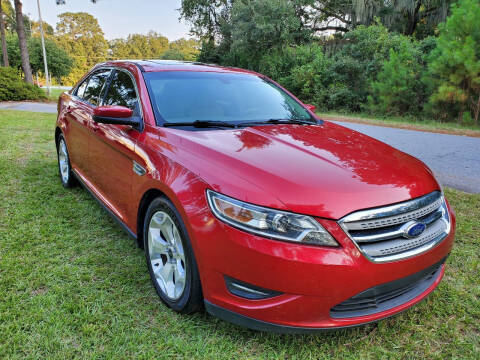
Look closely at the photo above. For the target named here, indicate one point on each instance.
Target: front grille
(381, 233)
(387, 296)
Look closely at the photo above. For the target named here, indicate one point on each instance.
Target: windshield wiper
(290, 121)
(279, 121)
(202, 124)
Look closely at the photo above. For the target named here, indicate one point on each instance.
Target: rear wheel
(64, 167)
(170, 259)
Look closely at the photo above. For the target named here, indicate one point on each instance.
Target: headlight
(267, 222)
(445, 214)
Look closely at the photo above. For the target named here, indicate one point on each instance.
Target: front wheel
(64, 167)
(170, 258)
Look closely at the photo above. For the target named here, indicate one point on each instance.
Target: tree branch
(331, 14)
(336, 28)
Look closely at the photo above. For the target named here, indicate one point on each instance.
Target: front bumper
(312, 280)
(260, 325)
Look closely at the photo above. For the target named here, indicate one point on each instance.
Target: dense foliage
(420, 17)
(407, 57)
(456, 63)
(13, 88)
(59, 63)
(80, 35)
(376, 67)
(153, 46)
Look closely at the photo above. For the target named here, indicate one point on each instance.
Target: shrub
(12, 87)
(357, 64)
(455, 65)
(300, 69)
(345, 84)
(398, 89)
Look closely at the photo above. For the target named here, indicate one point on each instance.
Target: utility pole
(43, 49)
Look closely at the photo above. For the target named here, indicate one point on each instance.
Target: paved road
(29, 106)
(454, 159)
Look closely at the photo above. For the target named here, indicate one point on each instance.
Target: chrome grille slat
(394, 220)
(380, 237)
(373, 235)
(394, 246)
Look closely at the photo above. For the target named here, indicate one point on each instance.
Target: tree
(206, 17)
(27, 71)
(47, 28)
(80, 35)
(2, 34)
(404, 15)
(187, 48)
(456, 61)
(173, 54)
(398, 88)
(138, 46)
(326, 15)
(259, 26)
(9, 16)
(59, 63)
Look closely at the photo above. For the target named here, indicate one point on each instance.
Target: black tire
(67, 178)
(191, 299)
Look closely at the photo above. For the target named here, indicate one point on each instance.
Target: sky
(118, 18)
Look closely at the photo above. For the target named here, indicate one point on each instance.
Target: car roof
(175, 65)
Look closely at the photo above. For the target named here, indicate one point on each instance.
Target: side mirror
(113, 114)
(312, 108)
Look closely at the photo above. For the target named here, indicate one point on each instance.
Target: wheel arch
(145, 201)
(58, 132)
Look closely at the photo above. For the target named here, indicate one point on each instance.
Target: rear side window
(95, 86)
(81, 89)
(121, 91)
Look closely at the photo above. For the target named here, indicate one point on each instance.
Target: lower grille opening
(387, 296)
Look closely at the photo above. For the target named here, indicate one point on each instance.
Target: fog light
(248, 291)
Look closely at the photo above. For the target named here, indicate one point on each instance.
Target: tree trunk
(22, 40)
(2, 34)
(477, 111)
(412, 25)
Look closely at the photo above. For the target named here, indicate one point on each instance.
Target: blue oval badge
(413, 229)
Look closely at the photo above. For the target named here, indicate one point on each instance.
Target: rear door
(79, 116)
(112, 147)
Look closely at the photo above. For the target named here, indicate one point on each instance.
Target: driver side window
(122, 91)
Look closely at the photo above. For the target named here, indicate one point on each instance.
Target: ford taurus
(247, 203)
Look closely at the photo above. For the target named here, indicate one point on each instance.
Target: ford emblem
(413, 229)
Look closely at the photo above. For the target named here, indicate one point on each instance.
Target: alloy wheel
(166, 254)
(63, 160)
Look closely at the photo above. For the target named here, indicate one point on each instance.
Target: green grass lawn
(73, 285)
(405, 122)
(54, 94)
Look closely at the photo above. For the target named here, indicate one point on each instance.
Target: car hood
(322, 170)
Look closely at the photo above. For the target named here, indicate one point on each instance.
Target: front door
(112, 147)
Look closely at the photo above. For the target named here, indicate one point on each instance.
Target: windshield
(184, 97)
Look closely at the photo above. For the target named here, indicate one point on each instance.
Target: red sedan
(247, 203)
